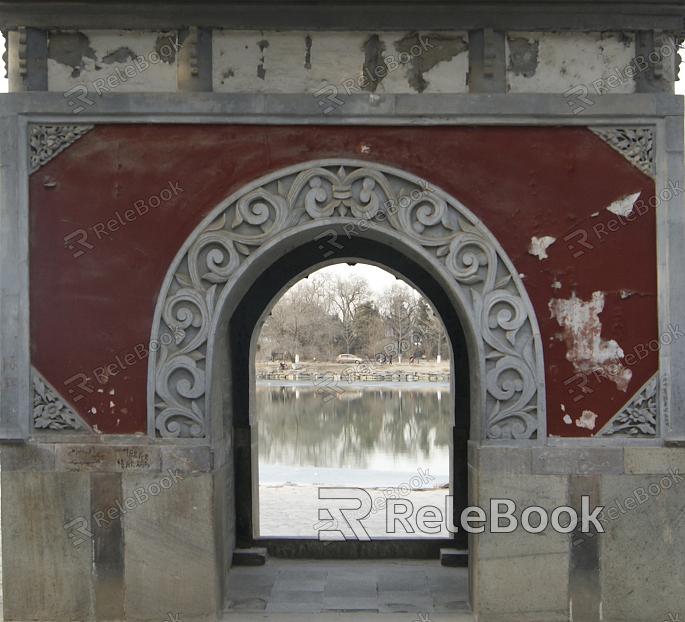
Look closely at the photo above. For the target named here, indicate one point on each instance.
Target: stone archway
(328, 202)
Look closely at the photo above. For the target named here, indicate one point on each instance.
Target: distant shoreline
(371, 384)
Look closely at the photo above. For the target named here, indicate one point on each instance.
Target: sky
(378, 279)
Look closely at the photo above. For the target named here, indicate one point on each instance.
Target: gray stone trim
(46, 141)
(374, 15)
(15, 403)
(577, 460)
(500, 315)
(671, 276)
(640, 416)
(628, 110)
(635, 144)
(125, 455)
(50, 410)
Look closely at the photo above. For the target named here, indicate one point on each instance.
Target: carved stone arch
(306, 200)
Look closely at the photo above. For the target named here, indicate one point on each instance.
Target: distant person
(390, 358)
(411, 359)
(282, 365)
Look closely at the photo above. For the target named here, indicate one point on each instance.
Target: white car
(348, 358)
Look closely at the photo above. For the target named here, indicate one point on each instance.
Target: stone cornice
(374, 15)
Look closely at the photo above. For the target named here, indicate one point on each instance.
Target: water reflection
(373, 428)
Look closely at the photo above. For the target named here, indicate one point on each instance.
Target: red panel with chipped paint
(92, 311)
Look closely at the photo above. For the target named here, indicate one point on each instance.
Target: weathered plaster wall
(553, 62)
(106, 60)
(299, 62)
(353, 61)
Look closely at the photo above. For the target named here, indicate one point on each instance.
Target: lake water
(365, 436)
(370, 437)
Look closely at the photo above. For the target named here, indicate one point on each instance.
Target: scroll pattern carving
(50, 410)
(634, 144)
(640, 416)
(46, 141)
(499, 308)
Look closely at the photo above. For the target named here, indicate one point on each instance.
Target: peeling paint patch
(168, 54)
(119, 56)
(556, 284)
(434, 48)
(261, 72)
(587, 420)
(70, 48)
(586, 349)
(373, 49)
(539, 246)
(624, 207)
(523, 56)
(308, 52)
(568, 420)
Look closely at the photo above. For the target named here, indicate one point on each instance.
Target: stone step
(249, 557)
(454, 558)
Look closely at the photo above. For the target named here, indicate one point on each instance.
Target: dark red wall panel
(91, 311)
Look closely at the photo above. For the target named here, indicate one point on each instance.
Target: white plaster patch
(587, 420)
(586, 349)
(567, 59)
(624, 206)
(157, 77)
(556, 284)
(539, 246)
(568, 420)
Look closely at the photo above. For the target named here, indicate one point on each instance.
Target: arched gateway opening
(244, 330)
(259, 241)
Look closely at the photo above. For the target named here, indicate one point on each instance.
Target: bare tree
(348, 294)
(399, 305)
(299, 325)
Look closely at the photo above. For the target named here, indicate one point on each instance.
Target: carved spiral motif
(499, 311)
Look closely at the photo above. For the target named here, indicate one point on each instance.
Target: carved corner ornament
(46, 141)
(634, 144)
(498, 308)
(640, 416)
(50, 409)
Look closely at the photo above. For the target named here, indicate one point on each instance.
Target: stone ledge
(107, 458)
(644, 460)
(489, 459)
(577, 461)
(28, 457)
